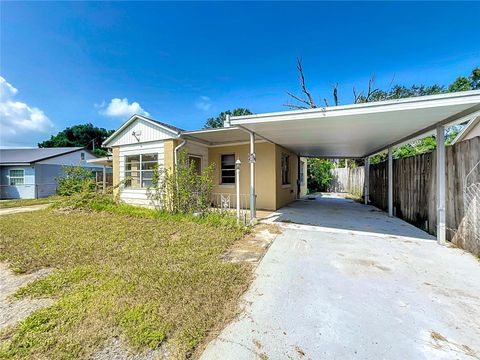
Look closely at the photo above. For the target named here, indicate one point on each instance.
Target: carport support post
(366, 191)
(390, 182)
(441, 228)
(253, 213)
(237, 185)
(104, 179)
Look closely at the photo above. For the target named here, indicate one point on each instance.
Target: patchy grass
(26, 202)
(154, 279)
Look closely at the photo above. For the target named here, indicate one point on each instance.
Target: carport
(362, 130)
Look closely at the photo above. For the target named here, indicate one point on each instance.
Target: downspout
(175, 151)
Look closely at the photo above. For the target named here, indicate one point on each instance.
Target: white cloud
(120, 108)
(204, 103)
(20, 124)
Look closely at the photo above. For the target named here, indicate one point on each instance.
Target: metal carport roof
(360, 130)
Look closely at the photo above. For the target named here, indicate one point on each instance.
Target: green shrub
(319, 174)
(74, 180)
(183, 190)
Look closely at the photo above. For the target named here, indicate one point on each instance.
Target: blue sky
(68, 63)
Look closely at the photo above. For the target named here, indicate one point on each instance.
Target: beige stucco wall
(271, 193)
(264, 172)
(285, 194)
(116, 170)
(168, 156)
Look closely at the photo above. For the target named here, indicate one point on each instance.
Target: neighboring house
(31, 173)
(140, 143)
(471, 130)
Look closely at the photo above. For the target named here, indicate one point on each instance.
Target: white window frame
(222, 169)
(10, 177)
(140, 170)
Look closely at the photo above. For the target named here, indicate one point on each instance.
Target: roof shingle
(13, 156)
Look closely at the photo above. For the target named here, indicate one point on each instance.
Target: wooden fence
(348, 180)
(414, 191)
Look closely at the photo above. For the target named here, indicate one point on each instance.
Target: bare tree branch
(302, 84)
(297, 107)
(326, 102)
(335, 94)
(357, 97)
(298, 99)
(370, 92)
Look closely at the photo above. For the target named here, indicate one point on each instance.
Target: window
(285, 169)
(228, 169)
(197, 163)
(139, 170)
(17, 177)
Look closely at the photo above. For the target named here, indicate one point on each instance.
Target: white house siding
(138, 196)
(48, 170)
(46, 177)
(147, 130)
(198, 149)
(73, 158)
(25, 191)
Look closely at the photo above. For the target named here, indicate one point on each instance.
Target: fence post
(237, 184)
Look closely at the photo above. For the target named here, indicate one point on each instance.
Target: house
(141, 143)
(31, 173)
(471, 130)
(272, 147)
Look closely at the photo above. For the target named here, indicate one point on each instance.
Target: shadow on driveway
(333, 211)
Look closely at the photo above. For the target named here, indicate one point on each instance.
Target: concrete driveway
(344, 281)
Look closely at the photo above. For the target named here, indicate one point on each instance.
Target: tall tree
(84, 135)
(217, 122)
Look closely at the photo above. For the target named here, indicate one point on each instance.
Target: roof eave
(131, 120)
(465, 97)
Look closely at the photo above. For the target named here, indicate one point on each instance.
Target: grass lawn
(151, 281)
(26, 202)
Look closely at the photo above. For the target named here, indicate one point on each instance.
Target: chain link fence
(468, 234)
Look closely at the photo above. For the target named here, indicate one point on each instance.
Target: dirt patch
(359, 267)
(299, 351)
(253, 246)
(13, 310)
(257, 343)
(117, 351)
(440, 342)
(14, 210)
(370, 264)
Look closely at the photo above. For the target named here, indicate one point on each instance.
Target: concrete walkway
(14, 210)
(344, 281)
